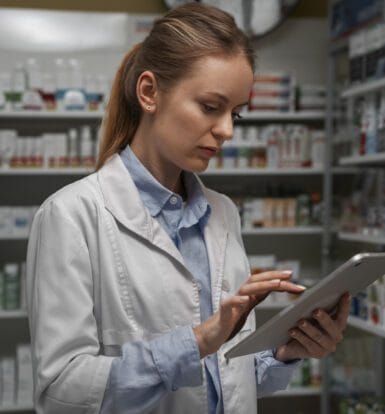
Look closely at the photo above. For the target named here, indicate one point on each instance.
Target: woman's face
(196, 116)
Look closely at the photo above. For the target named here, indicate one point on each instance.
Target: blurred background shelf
(366, 326)
(357, 237)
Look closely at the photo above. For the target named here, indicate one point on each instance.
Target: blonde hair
(176, 41)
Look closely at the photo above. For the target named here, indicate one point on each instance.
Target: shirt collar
(155, 196)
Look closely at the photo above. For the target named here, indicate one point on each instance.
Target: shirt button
(225, 285)
(173, 200)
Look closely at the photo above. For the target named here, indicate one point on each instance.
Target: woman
(137, 278)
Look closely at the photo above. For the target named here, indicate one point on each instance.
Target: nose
(224, 128)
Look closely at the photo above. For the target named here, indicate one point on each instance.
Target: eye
(209, 108)
(236, 115)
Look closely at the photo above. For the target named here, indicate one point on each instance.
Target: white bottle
(18, 86)
(381, 124)
(61, 81)
(32, 98)
(73, 148)
(371, 131)
(87, 148)
(74, 98)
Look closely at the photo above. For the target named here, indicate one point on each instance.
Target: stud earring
(148, 107)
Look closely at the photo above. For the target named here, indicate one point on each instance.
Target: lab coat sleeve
(69, 374)
(147, 371)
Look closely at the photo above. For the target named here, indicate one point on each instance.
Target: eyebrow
(224, 98)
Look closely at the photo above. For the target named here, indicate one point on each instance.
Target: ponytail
(122, 116)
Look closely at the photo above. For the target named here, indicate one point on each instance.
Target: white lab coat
(101, 271)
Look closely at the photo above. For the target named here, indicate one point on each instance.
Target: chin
(197, 167)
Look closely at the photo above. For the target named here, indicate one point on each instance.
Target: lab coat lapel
(216, 234)
(122, 200)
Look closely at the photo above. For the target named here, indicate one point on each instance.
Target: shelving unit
(366, 326)
(41, 115)
(337, 50)
(15, 408)
(363, 88)
(262, 171)
(297, 392)
(290, 231)
(292, 116)
(362, 238)
(371, 160)
(14, 314)
(46, 171)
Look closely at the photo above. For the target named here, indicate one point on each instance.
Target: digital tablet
(353, 276)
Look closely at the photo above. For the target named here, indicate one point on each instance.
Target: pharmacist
(137, 278)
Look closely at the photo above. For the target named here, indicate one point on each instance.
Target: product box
(262, 263)
(5, 221)
(357, 44)
(24, 375)
(11, 286)
(8, 370)
(374, 43)
(1, 297)
(7, 146)
(21, 221)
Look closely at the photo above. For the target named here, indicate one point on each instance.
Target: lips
(214, 150)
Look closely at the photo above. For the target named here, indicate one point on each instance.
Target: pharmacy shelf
(366, 326)
(374, 160)
(10, 237)
(304, 230)
(363, 238)
(296, 392)
(247, 116)
(15, 408)
(46, 171)
(13, 314)
(262, 171)
(364, 88)
(283, 116)
(51, 115)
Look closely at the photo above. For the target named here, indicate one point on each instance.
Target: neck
(168, 174)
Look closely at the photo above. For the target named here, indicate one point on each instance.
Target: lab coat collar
(122, 200)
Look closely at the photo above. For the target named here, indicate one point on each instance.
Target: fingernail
(287, 272)
(275, 281)
(301, 286)
(317, 313)
(244, 299)
(349, 297)
(292, 333)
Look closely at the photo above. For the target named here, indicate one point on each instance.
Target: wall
(298, 46)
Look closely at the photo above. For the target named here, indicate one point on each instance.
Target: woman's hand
(318, 337)
(233, 311)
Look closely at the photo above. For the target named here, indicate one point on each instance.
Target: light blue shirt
(147, 371)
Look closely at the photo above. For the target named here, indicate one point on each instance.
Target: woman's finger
(324, 339)
(314, 349)
(270, 275)
(277, 285)
(328, 324)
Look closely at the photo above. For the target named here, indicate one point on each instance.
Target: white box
(24, 375)
(8, 380)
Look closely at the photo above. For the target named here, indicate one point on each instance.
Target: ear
(147, 91)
